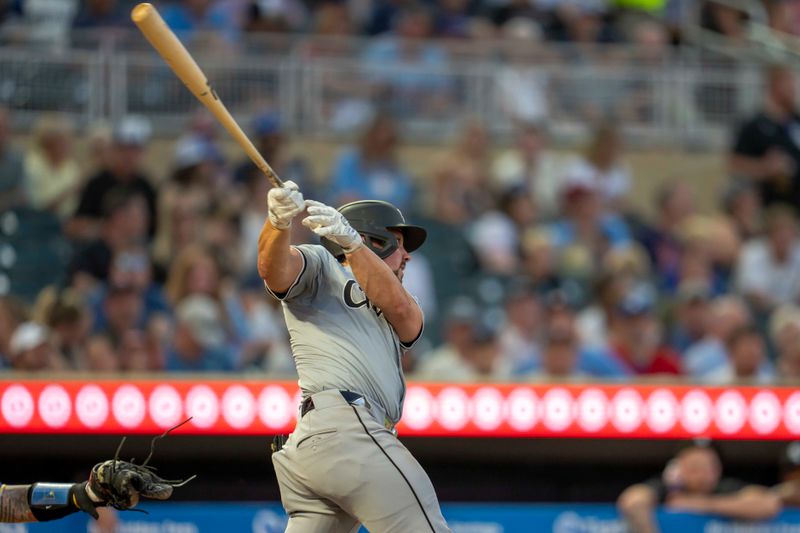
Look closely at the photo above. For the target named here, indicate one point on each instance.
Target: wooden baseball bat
(146, 17)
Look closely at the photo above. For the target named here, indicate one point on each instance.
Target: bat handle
(269, 173)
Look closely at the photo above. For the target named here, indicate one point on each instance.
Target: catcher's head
(382, 227)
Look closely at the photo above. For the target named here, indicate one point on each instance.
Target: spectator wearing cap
(372, 169)
(470, 351)
(199, 342)
(13, 192)
(747, 359)
(784, 331)
(123, 171)
(531, 166)
(52, 172)
(560, 322)
(769, 268)
(636, 336)
(709, 354)
(31, 349)
(125, 221)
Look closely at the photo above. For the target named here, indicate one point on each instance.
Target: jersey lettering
(359, 299)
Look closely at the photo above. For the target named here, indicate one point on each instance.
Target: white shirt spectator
(445, 364)
(542, 180)
(521, 93)
(612, 185)
(758, 273)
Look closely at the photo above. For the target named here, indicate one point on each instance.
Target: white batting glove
(327, 222)
(284, 203)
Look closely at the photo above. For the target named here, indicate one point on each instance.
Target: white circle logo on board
(202, 405)
(487, 408)
(765, 412)
(166, 406)
(453, 408)
(730, 412)
(128, 406)
(662, 411)
(627, 410)
(55, 406)
(696, 411)
(238, 407)
(791, 413)
(557, 412)
(523, 409)
(418, 409)
(91, 406)
(592, 406)
(17, 406)
(275, 407)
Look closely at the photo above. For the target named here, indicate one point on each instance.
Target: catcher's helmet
(373, 220)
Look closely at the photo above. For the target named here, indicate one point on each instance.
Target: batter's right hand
(284, 203)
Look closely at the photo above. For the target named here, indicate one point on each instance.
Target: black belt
(349, 397)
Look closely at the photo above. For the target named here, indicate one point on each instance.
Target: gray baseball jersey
(339, 339)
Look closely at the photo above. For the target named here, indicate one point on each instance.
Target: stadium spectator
(372, 169)
(519, 335)
(12, 169)
(747, 359)
(100, 355)
(530, 166)
(123, 309)
(199, 342)
(276, 16)
(768, 273)
(97, 155)
(579, 21)
(691, 323)
(31, 349)
(452, 19)
(596, 320)
(538, 260)
(462, 172)
(190, 19)
(602, 169)
(495, 236)
(51, 170)
(765, 150)
(560, 356)
(66, 315)
(125, 223)
(418, 83)
(693, 482)
(742, 204)
(636, 335)
(470, 352)
(674, 203)
(585, 233)
(12, 314)
(784, 331)
(100, 14)
(197, 272)
(561, 320)
(124, 170)
(709, 355)
(42, 23)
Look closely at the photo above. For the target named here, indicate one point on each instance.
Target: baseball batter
(350, 320)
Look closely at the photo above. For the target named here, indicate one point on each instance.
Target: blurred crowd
(537, 266)
(645, 22)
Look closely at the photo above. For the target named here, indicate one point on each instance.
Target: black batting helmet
(373, 220)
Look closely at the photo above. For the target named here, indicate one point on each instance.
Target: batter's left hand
(327, 222)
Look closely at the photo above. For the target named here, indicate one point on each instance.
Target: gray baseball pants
(341, 468)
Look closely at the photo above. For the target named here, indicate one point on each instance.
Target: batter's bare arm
(387, 292)
(14, 504)
(278, 263)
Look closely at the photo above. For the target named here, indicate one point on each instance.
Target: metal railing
(671, 98)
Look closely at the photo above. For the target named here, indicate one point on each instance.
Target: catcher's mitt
(119, 484)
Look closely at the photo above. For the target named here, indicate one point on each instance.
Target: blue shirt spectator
(199, 343)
